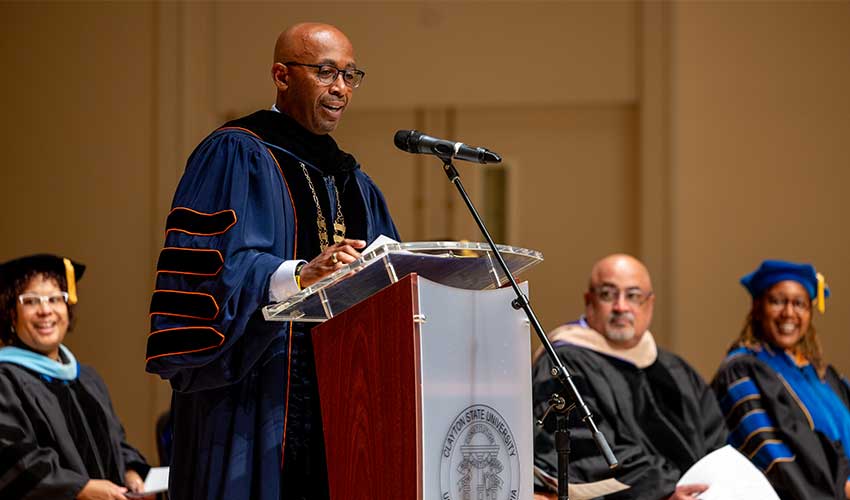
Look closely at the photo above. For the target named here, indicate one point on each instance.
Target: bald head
(305, 91)
(619, 300)
(302, 40)
(622, 265)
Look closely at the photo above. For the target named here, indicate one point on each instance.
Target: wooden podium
(425, 390)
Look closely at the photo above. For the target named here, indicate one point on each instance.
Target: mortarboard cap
(771, 272)
(14, 269)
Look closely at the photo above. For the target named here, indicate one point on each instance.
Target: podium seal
(479, 459)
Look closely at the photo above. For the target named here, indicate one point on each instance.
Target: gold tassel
(72, 282)
(821, 294)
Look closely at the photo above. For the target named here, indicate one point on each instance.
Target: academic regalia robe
(56, 435)
(245, 406)
(656, 412)
(771, 423)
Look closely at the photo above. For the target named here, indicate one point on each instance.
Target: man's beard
(620, 333)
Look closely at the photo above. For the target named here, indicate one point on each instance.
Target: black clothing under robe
(659, 420)
(55, 435)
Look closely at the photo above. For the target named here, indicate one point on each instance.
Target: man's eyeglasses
(35, 300)
(610, 294)
(328, 73)
(799, 305)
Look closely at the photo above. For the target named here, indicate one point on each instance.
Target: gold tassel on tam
(72, 282)
(821, 295)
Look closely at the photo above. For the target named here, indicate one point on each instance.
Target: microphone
(414, 141)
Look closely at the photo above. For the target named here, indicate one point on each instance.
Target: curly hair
(9, 298)
(752, 337)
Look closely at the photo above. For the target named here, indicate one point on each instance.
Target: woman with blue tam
(59, 435)
(786, 408)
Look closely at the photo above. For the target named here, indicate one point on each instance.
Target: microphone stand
(562, 441)
(559, 371)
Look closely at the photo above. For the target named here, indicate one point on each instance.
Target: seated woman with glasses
(59, 436)
(786, 408)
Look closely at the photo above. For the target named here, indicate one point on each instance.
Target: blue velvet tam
(771, 272)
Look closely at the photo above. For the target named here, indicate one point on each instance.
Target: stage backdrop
(699, 136)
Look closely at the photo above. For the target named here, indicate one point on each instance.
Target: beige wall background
(702, 137)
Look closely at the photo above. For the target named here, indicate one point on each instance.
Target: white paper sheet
(586, 491)
(155, 482)
(730, 476)
(583, 491)
(380, 240)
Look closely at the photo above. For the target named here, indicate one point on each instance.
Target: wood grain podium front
(366, 361)
(426, 394)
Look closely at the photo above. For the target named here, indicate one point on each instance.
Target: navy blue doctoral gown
(233, 222)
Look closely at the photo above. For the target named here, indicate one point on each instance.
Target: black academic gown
(45, 451)
(800, 463)
(659, 420)
(245, 405)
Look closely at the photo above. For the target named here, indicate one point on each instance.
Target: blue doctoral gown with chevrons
(244, 389)
(775, 411)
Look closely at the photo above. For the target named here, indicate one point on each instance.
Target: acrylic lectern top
(470, 266)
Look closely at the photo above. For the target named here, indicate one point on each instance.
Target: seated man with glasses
(268, 204)
(657, 413)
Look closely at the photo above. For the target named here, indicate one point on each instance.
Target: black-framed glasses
(610, 294)
(328, 73)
